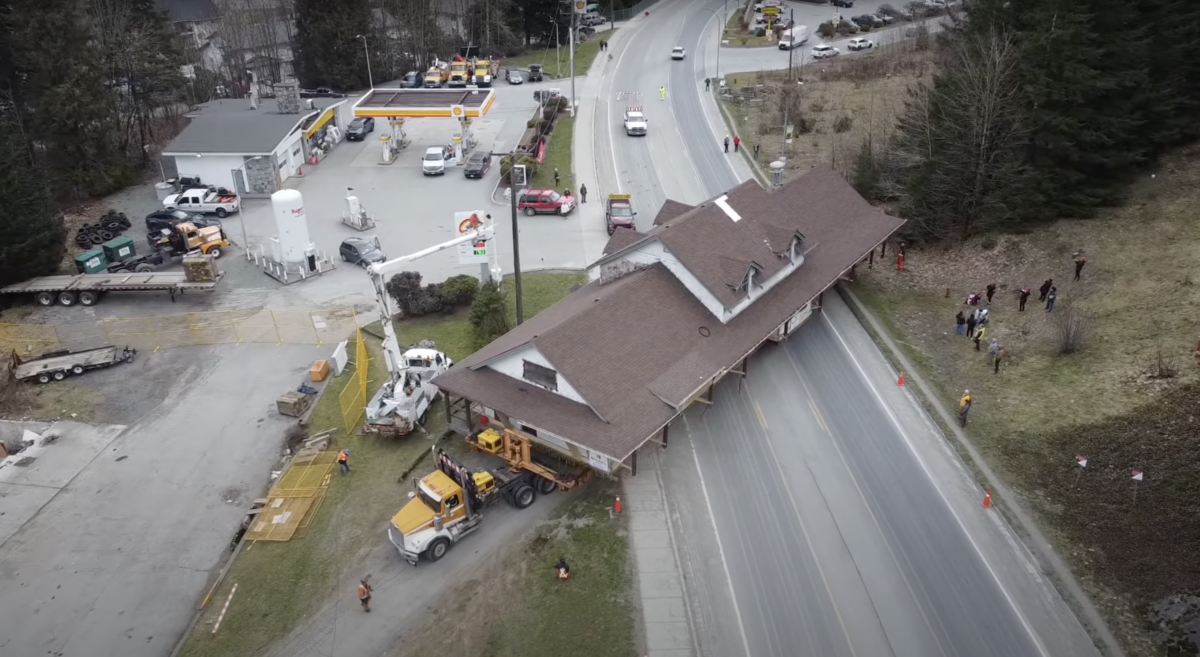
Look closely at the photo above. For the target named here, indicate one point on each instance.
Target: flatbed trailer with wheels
(86, 289)
(58, 365)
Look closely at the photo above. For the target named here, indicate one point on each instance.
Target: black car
(411, 80)
(477, 165)
(359, 251)
(843, 3)
(321, 92)
(359, 128)
(160, 219)
(535, 72)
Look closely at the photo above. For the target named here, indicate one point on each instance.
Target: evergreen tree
(328, 50)
(489, 315)
(1173, 42)
(32, 236)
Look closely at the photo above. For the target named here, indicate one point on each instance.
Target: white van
(793, 38)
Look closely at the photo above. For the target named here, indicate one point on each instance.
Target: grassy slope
(1034, 418)
(558, 156)
(558, 64)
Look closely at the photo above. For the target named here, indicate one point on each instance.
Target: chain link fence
(251, 326)
(353, 398)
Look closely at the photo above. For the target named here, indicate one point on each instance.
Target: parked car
(514, 76)
(477, 165)
(535, 72)
(160, 219)
(825, 51)
(868, 20)
(321, 92)
(411, 80)
(436, 159)
(678, 52)
(845, 4)
(860, 44)
(545, 201)
(587, 31)
(360, 251)
(360, 128)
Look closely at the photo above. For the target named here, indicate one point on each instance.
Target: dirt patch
(835, 106)
(1125, 400)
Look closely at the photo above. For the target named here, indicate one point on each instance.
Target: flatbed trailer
(86, 289)
(58, 365)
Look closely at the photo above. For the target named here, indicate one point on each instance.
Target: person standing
(343, 461)
(1024, 297)
(980, 334)
(1080, 261)
(971, 325)
(726, 143)
(364, 595)
(960, 323)
(964, 406)
(737, 143)
(1051, 297)
(707, 84)
(556, 177)
(662, 92)
(582, 193)
(994, 347)
(1045, 289)
(996, 358)
(991, 291)
(757, 148)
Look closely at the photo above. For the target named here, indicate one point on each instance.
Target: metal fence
(183, 330)
(353, 398)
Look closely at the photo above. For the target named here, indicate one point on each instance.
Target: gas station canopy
(425, 103)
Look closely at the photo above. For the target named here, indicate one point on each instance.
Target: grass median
(558, 157)
(556, 62)
(281, 583)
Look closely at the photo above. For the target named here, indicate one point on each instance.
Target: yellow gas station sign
(771, 11)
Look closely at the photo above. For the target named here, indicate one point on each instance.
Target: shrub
(988, 242)
(888, 10)
(843, 123)
(460, 290)
(533, 123)
(1072, 326)
(826, 30)
(866, 172)
(404, 288)
(431, 300)
(530, 162)
(489, 315)
(760, 32)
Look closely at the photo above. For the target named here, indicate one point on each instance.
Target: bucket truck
(402, 403)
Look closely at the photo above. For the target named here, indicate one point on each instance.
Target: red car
(545, 201)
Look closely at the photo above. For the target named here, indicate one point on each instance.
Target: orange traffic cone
(617, 506)
(300, 172)
(900, 381)
(987, 500)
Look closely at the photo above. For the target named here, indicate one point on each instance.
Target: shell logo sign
(458, 111)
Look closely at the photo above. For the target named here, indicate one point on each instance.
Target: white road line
(716, 533)
(945, 500)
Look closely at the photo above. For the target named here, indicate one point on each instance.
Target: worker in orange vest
(344, 460)
(364, 595)
(563, 570)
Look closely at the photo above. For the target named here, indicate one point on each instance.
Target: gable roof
(230, 126)
(638, 385)
(622, 238)
(670, 210)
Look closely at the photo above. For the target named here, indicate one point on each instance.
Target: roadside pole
(571, 33)
(512, 198)
(792, 49)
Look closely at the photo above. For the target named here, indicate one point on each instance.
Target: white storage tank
(292, 225)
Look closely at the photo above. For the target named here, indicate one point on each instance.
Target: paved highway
(820, 513)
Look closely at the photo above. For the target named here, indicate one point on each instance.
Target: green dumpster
(91, 262)
(119, 249)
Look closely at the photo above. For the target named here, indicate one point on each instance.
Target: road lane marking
(813, 404)
(1037, 641)
(807, 539)
(716, 533)
(762, 419)
(874, 519)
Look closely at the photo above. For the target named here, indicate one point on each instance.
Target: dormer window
(796, 252)
(748, 283)
(540, 375)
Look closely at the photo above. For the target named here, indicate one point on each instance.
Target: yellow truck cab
(447, 504)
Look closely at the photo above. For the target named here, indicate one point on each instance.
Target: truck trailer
(87, 289)
(58, 365)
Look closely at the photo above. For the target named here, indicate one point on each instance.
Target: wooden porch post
(633, 465)
(470, 420)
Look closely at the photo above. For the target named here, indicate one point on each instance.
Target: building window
(541, 375)
(529, 430)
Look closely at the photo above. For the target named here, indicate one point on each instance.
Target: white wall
(212, 169)
(513, 365)
(289, 155)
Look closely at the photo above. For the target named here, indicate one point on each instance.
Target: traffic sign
(473, 252)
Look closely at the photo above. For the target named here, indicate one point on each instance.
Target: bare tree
(1071, 326)
(961, 139)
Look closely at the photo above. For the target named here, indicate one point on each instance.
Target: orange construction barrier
(617, 506)
(987, 500)
(900, 381)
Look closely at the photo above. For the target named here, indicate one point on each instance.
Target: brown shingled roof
(670, 210)
(623, 237)
(639, 347)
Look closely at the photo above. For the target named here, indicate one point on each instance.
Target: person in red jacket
(737, 143)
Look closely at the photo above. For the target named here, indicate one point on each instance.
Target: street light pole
(367, 52)
(512, 196)
(240, 171)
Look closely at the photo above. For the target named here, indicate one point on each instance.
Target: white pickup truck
(203, 201)
(635, 122)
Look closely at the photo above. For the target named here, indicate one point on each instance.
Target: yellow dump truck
(448, 503)
(437, 75)
(460, 72)
(485, 72)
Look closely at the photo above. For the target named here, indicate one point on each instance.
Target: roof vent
(723, 203)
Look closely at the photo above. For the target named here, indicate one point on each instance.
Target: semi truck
(447, 504)
(485, 72)
(460, 72)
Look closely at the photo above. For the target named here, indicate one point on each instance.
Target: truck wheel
(523, 496)
(529, 212)
(89, 298)
(77, 369)
(545, 486)
(45, 298)
(144, 268)
(222, 213)
(215, 252)
(43, 378)
(59, 375)
(437, 549)
(66, 298)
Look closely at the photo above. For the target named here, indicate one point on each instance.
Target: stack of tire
(110, 225)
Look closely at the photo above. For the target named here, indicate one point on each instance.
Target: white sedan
(860, 44)
(825, 51)
(678, 53)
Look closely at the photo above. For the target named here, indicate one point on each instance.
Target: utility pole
(516, 233)
(571, 33)
(367, 52)
(792, 49)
